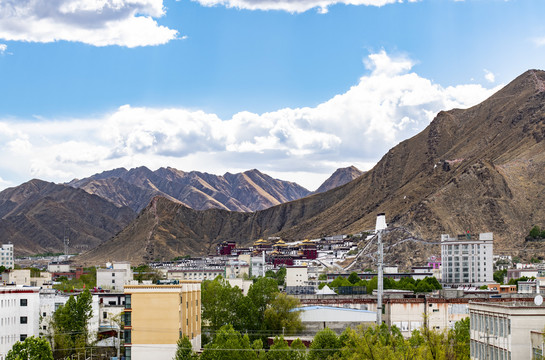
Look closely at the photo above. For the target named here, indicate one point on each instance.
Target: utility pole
(379, 227)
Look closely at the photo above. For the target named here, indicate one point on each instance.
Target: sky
(294, 88)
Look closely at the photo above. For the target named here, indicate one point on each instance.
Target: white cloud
(96, 22)
(489, 76)
(296, 6)
(357, 127)
(540, 41)
(3, 48)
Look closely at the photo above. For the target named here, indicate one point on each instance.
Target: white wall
(11, 312)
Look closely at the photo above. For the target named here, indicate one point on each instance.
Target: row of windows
(491, 325)
(479, 350)
(11, 339)
(13, 302)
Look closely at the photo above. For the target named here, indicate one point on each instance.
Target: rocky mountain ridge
(478, 169)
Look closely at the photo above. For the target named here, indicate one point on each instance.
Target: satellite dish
(538, 300)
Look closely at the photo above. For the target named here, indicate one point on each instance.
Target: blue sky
(293, 88)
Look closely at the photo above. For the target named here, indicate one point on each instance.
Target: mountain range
(478, 170)
(37, 215)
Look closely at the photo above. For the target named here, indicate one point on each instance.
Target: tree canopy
(34, 348)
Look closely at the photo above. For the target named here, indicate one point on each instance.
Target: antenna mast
(65, 241)
(379, 228)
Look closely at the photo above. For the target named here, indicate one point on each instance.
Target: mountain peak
(340, 177)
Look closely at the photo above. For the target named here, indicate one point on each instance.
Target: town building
(503, 289)
(50, 300)
(156, 316)
(194, 274)
(503, 330)
(6, 256)
(19, 315)
(24, 277)
(467, 260)
(316, 318)
(114, 276)
(296, 276)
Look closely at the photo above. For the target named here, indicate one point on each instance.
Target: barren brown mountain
(37, 215)
(478, 170)
(247, 191)
(340, 177)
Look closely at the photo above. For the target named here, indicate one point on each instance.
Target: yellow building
(156, 316)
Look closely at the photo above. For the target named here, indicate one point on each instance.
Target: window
(23, 320)
(127, 336)
(127, 301)
(104, 315)
(127, 319)
(44, 327)
(113, 274)
(23, 302)
(44, 314)
(128, 353)
(113, 281)
(22, 337)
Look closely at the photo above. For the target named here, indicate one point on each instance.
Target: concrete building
(50, 300)
(23, 277)
(296, 276)
(316, 318)
(114, 276)
(242, 284)
(194, 274)
(235, 269)
(467, 261)
(19, 315)
(6, 256)
(518, 273)
(156, 316)
(503, 330)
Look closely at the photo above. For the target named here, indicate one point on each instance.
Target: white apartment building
(115, 276)
(6, 256)
(194, 274)
(467, 261)
(296, 276)
(50, 300)
(502, 331)
(19, 315)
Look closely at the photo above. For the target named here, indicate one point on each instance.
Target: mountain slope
(247, 191)
(338, 178)
(478, 169)
(36, 215)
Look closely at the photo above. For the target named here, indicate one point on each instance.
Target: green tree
(31, 348)
(69, 325)
(326, 345)
(499, 276)
(279, 350)
(184, 350)
(322, 276)
(459, 338)
(281, 316)
(354, 278)
(535, 232)
(253, 306)
(299, 350)
(220, 303)
(229, 344)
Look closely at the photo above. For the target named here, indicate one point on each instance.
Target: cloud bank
(294, 6)
(305, 144)
(127, 23)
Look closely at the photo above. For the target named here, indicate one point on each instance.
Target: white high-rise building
(467, 261)
(6, 256)
(115, 276)
(19, 315)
